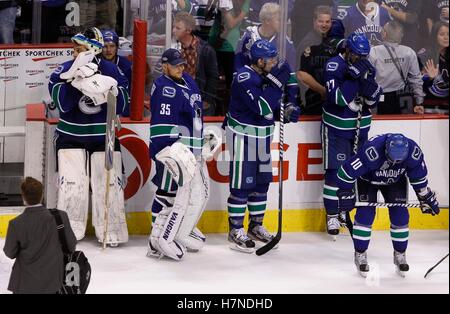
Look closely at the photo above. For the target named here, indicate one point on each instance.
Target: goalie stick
(109, 154)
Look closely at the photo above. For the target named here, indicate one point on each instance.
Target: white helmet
(91, 38)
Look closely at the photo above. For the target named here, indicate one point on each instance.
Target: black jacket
(32, 240)
(207, 72)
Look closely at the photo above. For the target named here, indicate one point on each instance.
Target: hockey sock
(330, 199)
(257, 207)
(361, 237)
(400, 236)
(237, 203)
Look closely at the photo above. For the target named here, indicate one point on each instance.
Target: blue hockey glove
(371, 90)
(291, 113)
(347, 200)
(280, 74)
(360, 68)
(429, 202)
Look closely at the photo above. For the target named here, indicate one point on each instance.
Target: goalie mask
(92, 39)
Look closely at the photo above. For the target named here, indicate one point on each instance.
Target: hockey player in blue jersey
(179, 147)
(256, 94)
(384, 164)
(351, 91)
(110, 53)
(79, 89)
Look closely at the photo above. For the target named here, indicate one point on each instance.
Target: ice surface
(304, 263)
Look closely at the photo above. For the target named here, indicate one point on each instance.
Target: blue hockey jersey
(372, 165)
(356, 21)
(79, 121)
(125, 68)
(176, 114)
(341, 90)
(254, 104)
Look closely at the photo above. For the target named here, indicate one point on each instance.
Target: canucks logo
(87, 106)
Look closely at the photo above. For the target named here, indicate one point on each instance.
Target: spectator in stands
(224, 37)
(157, 13)
(321, 26)
(32, 240)
(436, 11)
(98, 13)
(437, 84)
(312, 64)
(206, 13)
(270, 18)
(256, 7)
(201, 59)
(303, 12)
(368, 18)
(8, 12)
(439, 41)
(406, 13)
(398, 73)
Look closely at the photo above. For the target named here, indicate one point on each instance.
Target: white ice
(304, 263)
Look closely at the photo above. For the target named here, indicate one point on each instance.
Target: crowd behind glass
(219, 25)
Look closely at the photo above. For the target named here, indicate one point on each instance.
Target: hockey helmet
(91, 38)
(262, 49)
(397, 147)
(110, 36)
(358, 44)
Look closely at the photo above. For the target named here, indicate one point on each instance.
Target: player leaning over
(179, 151)
(79, 88)
(256, 94)
(383, 164)
(351, 90)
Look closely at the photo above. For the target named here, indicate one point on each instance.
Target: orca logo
(169, 92)
(332, 66)
(139, 151)
(242, 77)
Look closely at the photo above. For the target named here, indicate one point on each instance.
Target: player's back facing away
(342, 90)
(176, 114)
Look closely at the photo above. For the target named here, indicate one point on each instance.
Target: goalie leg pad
(73, 188)
(166, 226)
(188, 234)
(179, 161)
(117, 224)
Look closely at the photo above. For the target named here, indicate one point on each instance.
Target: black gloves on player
(428, 202)
(279, 75)
(291, 113)
(347, 200)
(360, 68)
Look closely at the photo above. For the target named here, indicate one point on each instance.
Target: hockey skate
(361, 263)
(400, 263)
(240, 241)
(152, 252)
(333, 226)
(259, 233)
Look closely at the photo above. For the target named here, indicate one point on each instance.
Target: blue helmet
(110, 36)
(337, 29)
(397, 147)
(262, 49)
(358, 44)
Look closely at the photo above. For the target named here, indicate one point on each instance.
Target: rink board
(303, 206)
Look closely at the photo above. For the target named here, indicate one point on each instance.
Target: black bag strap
(397, 65)
(60, 227)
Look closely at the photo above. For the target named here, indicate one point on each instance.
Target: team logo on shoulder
(59, 69)
(417, 153)
(169, 92)
(341, 157)
(332, 66)
(372, 153)
(242, 77)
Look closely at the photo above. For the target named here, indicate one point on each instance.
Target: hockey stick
(266, 248)
(406, 205)
(109, 155)
(431, 269)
